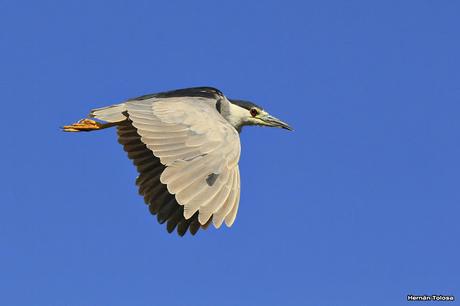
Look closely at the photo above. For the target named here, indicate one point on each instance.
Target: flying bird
(186, 147)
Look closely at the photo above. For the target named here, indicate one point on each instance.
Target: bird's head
(243, 113)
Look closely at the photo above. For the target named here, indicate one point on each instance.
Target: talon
(87, 121)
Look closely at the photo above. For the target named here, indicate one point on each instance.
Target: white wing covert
(200, 150)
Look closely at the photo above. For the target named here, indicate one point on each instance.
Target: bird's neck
(234, 114)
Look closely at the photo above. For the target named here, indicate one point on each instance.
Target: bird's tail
(112, 115)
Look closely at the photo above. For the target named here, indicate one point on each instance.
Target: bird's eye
(254, 112)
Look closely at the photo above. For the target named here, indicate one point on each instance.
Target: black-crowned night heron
(185, 145)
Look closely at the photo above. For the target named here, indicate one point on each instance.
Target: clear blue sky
(358, 206)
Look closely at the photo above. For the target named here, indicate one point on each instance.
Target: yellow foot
(84, 125)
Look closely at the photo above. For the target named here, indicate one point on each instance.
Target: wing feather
(193, 142)
(160, 201)
(222, 212)
(230, 218)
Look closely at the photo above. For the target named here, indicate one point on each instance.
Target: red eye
(254, 112)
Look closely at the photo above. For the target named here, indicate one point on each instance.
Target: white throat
(235, 115)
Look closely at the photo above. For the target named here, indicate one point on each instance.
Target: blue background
(358, 206)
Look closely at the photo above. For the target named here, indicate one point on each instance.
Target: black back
(203, 92)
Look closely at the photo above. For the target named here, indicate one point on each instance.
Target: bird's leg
(85, 125)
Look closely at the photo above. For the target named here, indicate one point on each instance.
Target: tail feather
(113, 113)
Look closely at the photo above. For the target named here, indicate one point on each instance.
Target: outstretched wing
(161, 202)
(199, 150)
